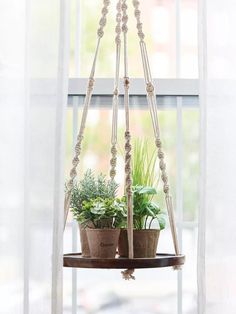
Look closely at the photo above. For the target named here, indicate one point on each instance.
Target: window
(173, 54)
(170, 28)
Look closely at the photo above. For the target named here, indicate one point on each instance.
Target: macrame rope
(75, 161)
(128, 273)
(115, 100)
(151, 98)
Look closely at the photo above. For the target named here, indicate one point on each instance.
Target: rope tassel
(128, 274)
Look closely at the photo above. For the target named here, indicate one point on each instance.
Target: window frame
(164, 87)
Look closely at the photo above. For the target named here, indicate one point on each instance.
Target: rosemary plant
(89, 189)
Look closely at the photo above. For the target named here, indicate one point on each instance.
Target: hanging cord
(115, 100)
(128, 273)
(151, 98)
(75, 161)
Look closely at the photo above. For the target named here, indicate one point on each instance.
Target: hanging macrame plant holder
(130, 263)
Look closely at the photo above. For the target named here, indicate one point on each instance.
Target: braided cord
(128, 273)
(75, 161)
(115, 100)
(151, 98)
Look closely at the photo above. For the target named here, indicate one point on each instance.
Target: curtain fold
(217, 216)
(34, 40)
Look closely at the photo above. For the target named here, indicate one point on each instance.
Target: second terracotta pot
(145, 243)
(103, 242)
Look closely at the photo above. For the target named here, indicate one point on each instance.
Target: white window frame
(164, 87)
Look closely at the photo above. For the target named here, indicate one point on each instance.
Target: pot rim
(102, 229)
(141, 230)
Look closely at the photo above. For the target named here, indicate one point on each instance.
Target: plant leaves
(162, 221)
(146, 190)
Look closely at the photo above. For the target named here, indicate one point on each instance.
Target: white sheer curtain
(33, 90)
(217, 221)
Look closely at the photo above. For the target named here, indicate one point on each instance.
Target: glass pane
(159, 25)
(188, 38)
(190, 163)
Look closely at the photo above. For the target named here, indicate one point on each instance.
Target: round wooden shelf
(161, 260)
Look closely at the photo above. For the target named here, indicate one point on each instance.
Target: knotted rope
(87, 101)
(128, 273)
(151, 98)
(115, 99)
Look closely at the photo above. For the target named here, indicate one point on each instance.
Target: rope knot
(177, 267)
(113, 161)
(73, 173)
(124, 6)
(118, 29)
(124, 28)
(115, 93)
(100, 32)
(164, 177)
(166, 189)
(75, 161)
(126, 82)
(113, 150)
(127, 144)
(137, 13)
(162, 165)
(118, 7)
(128, 274)
(136, 3)
(90, 83)
(158, 143)
(125, 18)
(112, 173)
(104, 11)
(150, 88)
(70, 185)
(102, 21)
(117, 40)
(160, 154)
(118, 17)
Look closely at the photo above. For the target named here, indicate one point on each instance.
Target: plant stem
(151, 223)
(145, 224)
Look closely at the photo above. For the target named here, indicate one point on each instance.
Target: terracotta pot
(103, 223)
(84, 241)
(103, 242)
(145, 243)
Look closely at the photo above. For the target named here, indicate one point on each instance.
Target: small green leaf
(147, 190)
(162, 222)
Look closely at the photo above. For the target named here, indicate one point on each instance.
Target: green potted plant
(102, 238)
(89, 198)
(146, 212)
